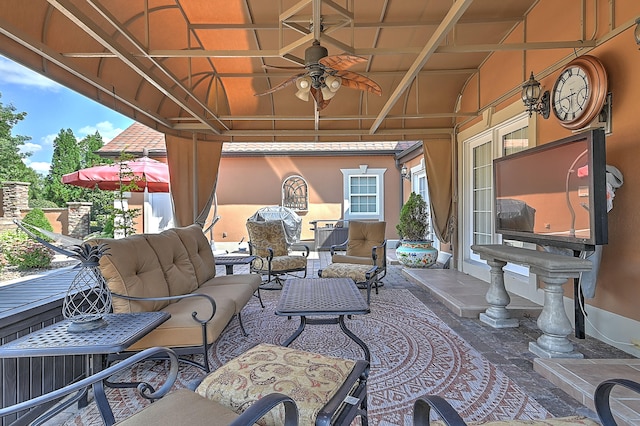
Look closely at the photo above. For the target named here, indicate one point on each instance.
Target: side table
(229, 261)
(121, 331)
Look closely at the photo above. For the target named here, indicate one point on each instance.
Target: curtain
(193, 166)
(438, 163)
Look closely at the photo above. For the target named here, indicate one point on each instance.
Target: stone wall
(73, 221)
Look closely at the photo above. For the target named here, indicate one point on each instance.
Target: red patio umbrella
(144, 172)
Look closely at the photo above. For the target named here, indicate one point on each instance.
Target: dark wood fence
(25, 307)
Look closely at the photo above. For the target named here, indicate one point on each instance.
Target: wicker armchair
(275, 257)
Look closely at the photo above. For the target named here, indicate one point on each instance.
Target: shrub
(414, 219)
(42, 204)
(37, 218)
(18, 250)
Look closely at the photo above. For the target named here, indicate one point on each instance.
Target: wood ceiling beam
(402, 50)
(339, 117)
(456, 11)
(198, 127)
(363, 25)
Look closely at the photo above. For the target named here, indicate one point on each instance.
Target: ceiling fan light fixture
(333, 83)
(304, 87)
(327, 93)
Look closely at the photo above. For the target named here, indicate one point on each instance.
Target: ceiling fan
(324, 75)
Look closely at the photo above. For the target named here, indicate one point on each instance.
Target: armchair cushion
(309, 379)
(363, 236)
(265, 235)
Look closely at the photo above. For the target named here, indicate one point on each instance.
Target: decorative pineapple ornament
(88, 297)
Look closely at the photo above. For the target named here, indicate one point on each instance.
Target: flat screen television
(554, 194)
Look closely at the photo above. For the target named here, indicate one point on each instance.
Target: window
(294, 193)
(363, 193)
(479, 152)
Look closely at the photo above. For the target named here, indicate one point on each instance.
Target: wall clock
(579, 92)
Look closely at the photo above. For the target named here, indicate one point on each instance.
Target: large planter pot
(416, 254)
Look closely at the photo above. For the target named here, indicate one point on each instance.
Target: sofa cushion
(237, 294)
(309, 379)
(181, 330)
(174, 259)
(199, 250)
(131, 268)
(254, 280)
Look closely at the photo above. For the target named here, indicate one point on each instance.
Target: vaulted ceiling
(183, 66)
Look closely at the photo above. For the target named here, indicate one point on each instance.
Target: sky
(51, 107)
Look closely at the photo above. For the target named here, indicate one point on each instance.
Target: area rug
(413, 353)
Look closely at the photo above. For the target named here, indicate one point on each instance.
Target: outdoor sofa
(174, 271)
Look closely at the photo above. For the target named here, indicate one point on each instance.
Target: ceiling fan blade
(321, 103)
(275, 67)
(358, 81)
(341, 62)
(287, 82)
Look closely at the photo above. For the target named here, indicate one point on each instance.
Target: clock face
(579, 92)
(571, 93)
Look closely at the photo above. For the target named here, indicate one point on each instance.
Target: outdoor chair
(364, 259)
(182, 406)
(601, 398)
(274, 256)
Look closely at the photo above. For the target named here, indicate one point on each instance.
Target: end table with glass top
(327, 297)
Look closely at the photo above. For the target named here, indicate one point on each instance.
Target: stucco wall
(249, 183)
(503, 74)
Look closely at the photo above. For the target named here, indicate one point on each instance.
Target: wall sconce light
(405, 173)
(532, 100)
(637, 32)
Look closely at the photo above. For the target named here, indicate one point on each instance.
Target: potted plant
(415, 249)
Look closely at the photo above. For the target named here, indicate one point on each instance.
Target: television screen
(554, 194)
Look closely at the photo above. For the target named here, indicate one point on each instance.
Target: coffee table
(325, 297)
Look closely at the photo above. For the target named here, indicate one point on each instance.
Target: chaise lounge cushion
(309, 379)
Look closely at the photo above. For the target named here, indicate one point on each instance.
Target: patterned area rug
(413, 353)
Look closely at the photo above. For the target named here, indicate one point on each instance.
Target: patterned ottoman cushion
(347, 270)
(309, 379)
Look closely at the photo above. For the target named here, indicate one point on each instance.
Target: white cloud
(41, 167)
(48, 140)
(105, 128)
(13, 73)
(29, 147)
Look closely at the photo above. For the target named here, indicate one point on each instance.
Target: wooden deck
(33, 292)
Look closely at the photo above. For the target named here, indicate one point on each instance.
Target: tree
(66, 159)
(102, 200)
(12, 166)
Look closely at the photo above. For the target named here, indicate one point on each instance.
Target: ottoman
(326, 390)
